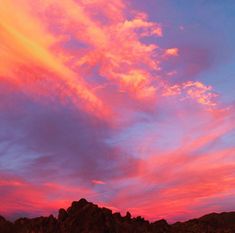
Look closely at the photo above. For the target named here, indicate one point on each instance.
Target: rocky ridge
(86, 217)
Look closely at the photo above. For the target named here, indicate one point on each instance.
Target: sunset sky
(127, 103)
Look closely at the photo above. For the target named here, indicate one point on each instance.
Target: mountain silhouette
(85, 217)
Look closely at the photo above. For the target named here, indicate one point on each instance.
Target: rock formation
(85, 217)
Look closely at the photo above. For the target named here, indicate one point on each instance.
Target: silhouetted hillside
(85, 217)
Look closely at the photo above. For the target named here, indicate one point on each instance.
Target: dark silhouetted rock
(160, 226)
(5, 226)
(211, 223)
(85, 217)
(62, 215)
(36, 225)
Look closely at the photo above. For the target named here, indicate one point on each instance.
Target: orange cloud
(29, 47)
(172, 52)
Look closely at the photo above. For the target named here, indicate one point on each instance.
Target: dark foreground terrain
(85, 217)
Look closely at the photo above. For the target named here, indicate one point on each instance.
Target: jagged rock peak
(85, 217)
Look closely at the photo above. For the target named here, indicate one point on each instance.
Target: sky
(127, 103)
